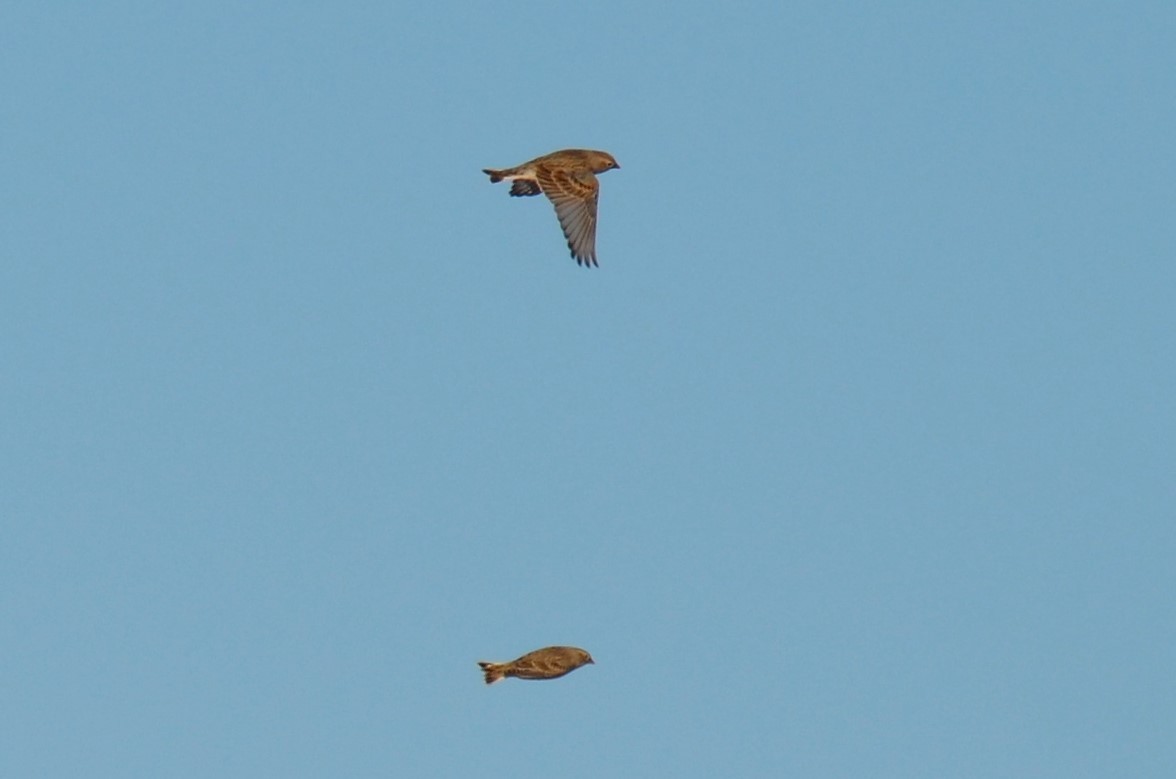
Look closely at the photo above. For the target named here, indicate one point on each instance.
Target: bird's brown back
(548, 663)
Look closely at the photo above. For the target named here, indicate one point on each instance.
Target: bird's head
(604, 161)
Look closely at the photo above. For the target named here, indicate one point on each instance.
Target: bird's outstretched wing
(574, 196)
(523, 188)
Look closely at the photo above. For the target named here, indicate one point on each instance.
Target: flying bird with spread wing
(568, 178)
(548, 663)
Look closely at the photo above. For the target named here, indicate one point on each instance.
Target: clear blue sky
(856, 457)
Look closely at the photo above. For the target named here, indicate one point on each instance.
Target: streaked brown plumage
(568, 178)
(548, 663)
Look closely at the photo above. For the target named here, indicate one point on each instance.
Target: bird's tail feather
(495, 672)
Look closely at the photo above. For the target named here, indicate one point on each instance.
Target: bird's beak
(591, 661)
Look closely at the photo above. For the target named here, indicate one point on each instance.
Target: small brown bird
(568, 178)
(548, 663)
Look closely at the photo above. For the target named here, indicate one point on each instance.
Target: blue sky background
(855, 457)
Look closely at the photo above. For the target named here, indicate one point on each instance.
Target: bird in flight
(568, 178)
(548, 663)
